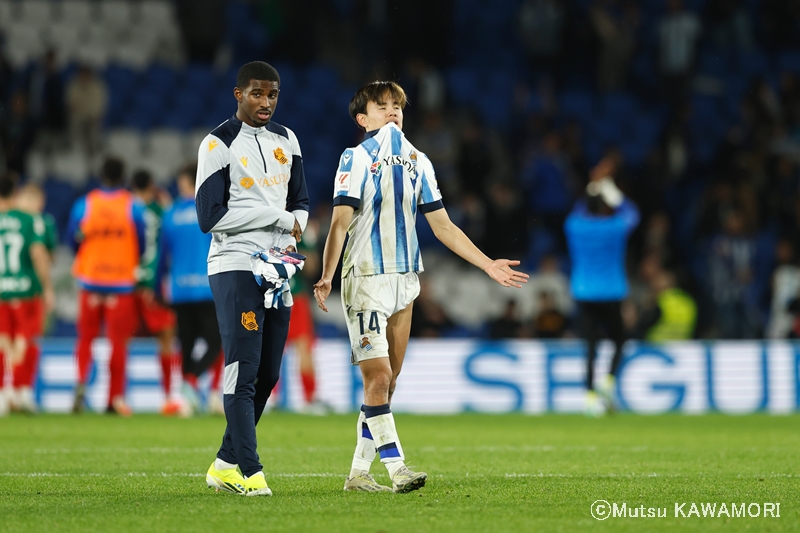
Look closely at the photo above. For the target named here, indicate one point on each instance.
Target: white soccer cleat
(595, 407)
(24, 401)
(364, 482)
(215, 405)
(404, 480)
(607, 391)
(4, 402)
(190, 398)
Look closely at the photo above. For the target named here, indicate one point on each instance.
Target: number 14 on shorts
(374, 323)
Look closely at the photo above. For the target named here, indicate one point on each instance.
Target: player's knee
(378, 382)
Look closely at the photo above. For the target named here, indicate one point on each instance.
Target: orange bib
(109, 251)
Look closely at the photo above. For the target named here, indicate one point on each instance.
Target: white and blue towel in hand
(273, 269)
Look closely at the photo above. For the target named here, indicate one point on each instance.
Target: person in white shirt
(379, 187)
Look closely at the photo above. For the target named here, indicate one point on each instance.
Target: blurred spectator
(730, 267)
(548, 181)
(372, 17)
(426, 86)
(542, 27)
(202, 25)
(508, 325)
(87, 99)
(679, 31)
(428, 319)
(476, 158)
(506, 222)
(729, 25)
(785, 291)
(673, 315)
(18, 133)
(550, 323)
(615, 27)
(46, 93)
(436, 139)
(550, 279)
(6, 79)
(779, 23)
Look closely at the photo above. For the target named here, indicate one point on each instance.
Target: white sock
(219, 464)
(365, 447)
(384, 433)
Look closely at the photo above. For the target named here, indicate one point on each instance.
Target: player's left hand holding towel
(273, 269)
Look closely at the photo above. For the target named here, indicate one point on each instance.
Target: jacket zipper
(255, 135)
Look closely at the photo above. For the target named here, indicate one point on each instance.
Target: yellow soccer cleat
(229, 480)
(256, 485)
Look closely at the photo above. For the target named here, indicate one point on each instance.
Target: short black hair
(189, 170)
(113, 171)
(597, 206)
(8, 184)
(256, 70)
(141, 180)
(376, 91)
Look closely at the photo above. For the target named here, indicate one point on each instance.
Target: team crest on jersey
(280, 156)
(243, 159)
(376, 168)
(365, 344)
(212, 144)
(247, 182)
(413, 158)
(249, 321)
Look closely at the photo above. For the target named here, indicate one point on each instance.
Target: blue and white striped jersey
(385, 179)
(250, 187)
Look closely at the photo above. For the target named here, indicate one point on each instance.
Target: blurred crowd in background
(514, 101)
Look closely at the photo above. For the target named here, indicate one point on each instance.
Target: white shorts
(368, 303)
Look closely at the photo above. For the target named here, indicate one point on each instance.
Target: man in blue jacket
(184, 252)
(597, 231)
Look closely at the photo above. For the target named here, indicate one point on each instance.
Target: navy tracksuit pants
(253, 339)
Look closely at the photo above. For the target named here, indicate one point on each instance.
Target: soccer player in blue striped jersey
(379, 187)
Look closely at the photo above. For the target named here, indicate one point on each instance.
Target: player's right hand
(322, 289)
(297, 233)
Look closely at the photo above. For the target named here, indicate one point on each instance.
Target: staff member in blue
(597, 231)
(184, 253)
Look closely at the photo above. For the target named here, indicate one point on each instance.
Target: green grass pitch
(503, 473)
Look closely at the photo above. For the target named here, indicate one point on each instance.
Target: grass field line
(442, 476)
(422, 449)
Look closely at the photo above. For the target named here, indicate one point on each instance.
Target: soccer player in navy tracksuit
(251, 195)
(597, 233)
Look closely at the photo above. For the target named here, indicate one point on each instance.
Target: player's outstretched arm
(451, 236)
(340, 221)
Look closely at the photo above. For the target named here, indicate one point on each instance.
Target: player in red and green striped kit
(26, 293)
(158, 319)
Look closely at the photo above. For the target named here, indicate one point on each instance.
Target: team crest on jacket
(280, 156)
(243, 159)
(376, 168)
(247, 182)
(365, 344)
(249, 321)
(212, 144)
